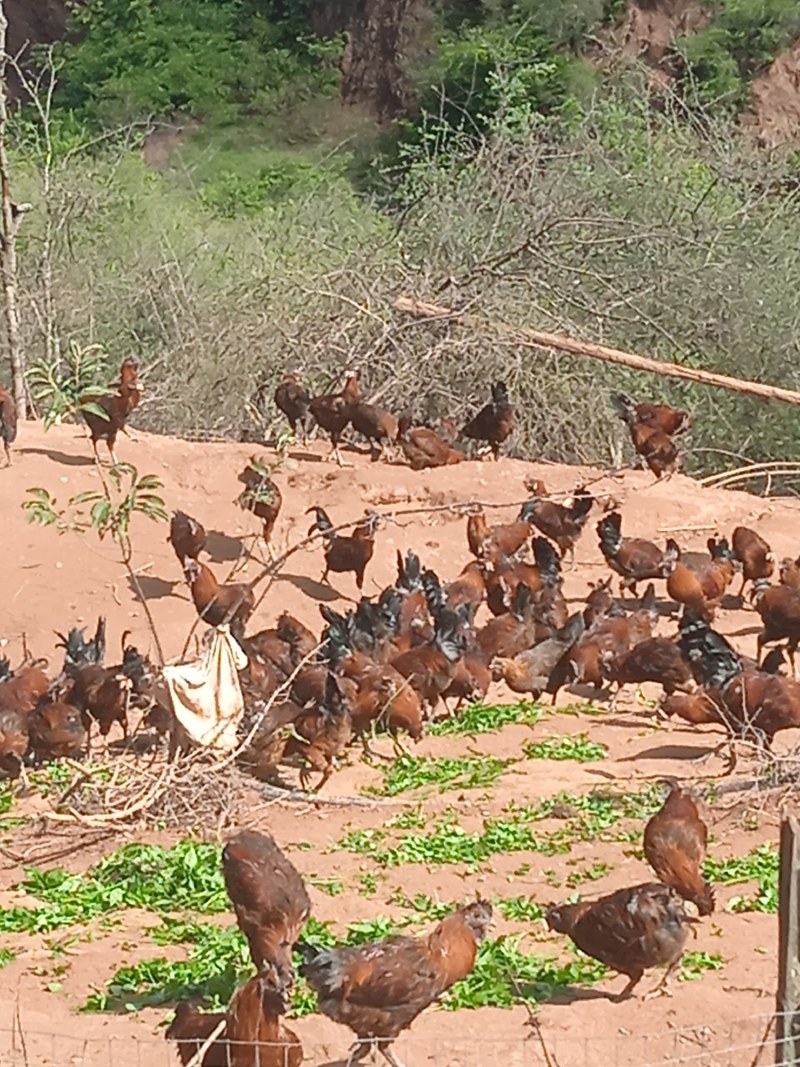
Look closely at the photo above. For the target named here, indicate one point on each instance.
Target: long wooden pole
(537, 339)
(787, 1045)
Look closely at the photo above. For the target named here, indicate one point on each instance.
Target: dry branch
(528, 338)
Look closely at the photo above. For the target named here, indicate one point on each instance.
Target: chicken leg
(663, 987)
(629, 988)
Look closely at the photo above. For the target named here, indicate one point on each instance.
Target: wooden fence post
(787, 1048)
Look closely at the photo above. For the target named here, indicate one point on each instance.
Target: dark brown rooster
(675, 842)
(270, 900)
(669, 420)
(332, 412)
(490, 542)
(630, 931)
(116, 408)
(657, 659)
(495, 422)
(379, 989)
(186, 535)
(8, 422)
(343, 553)
(561, 523)
(231, 603)
(632, 558)
(261, 496)
(293, 401)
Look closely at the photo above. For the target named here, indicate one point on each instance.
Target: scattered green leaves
(486, 718)
(7, 955)
(761, 864)
(577, 747)
(695, 964)
(414, 772)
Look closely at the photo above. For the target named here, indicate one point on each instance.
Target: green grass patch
(587, 874)
(762, 865)
(577, 747)
(7, 955)
(414, 772)
(589, 817)
(187, 877)
(695, 964)
(487, 718)
(504, 975)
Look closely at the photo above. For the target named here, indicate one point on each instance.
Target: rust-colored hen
(116, 408)
(270, 900)
(254, 1031)
(675, 842)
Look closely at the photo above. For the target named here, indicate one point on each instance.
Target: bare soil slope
(52, 582)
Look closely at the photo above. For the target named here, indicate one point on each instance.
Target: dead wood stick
(538, 339)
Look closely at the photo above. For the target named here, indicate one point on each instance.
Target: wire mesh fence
(747, 1042)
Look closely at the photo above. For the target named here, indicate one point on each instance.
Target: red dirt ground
(57, 581)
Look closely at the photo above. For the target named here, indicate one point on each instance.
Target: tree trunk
(11, 219)
(372, 65)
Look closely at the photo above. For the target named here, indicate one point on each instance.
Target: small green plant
(588, 874)
(761, 864)
(66, 387)
(695, 964)
(7, 955)
(413, 772)
(333, 887)
(577, 747)
(486, 718)
(519, 909)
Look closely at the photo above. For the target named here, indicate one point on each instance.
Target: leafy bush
(130, 59)
(743, 38)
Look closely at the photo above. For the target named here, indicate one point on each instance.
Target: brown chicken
(504, 575)
(191, 1028)
(56, 731)
(790, 574)
(255, 1034)
(116, 408)
(657, 659)
(699, 590)
(495, 422)
(542, 669)
(469, 588)
(669, 420)
(429, 668)
(379, 427)
(8, 422)
(186, 536)
(424, 448)
(630, 931)
(270, 900)
(14, 743)
(379, 989)
(21, 690)
(651, 443)
(332, 412)
(261, 496)
(615, 632)
(561, 523)
(675, 842)
(293, 401)
(779, 608)
(231, 603)
(754, 554)
(632, 558)
(490, 542)
(322, 733)
(508, 635)
(342, 553)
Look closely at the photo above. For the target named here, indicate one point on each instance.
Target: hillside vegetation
(504, 157)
